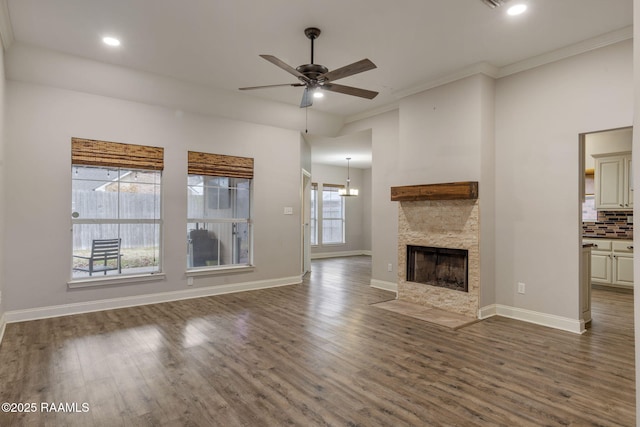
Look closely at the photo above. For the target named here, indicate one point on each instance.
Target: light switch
(288, 210)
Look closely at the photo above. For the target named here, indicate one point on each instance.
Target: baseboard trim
(110, 304)
(381, 284)
(488, 311)
(320, 255)
(543, 319)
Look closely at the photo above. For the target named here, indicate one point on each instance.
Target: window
(116, 208)
(314, 213)
(219, 211)
(589, 212)
(332, 214)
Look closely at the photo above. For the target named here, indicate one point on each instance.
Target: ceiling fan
(318, 77)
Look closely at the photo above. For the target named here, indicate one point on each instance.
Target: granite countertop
(594, 236)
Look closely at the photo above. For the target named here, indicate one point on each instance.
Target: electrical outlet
(189, 281)
(389, 267)
(521, 288)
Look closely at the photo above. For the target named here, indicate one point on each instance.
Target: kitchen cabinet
(622, 253)
(611, 262)
(613, 181)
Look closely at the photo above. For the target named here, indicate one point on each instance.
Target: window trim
(122, 279)
(218, 270)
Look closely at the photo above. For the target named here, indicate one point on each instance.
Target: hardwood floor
(317, 354)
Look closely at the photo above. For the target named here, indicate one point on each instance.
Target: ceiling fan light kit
(316, 77)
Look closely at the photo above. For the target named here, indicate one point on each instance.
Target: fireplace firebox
(442, 267)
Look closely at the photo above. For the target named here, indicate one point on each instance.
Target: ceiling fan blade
(348, 70)
(288, 68)
(349, 90)
(307, 98)
(265, 86)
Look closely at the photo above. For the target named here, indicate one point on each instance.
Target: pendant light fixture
(348, 191)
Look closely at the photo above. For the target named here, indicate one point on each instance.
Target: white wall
(305, 154)
(440, 134)
(354, 208)
(539, 115)
(3, 199)
(384, 222)
(40, 123)
(33, 65)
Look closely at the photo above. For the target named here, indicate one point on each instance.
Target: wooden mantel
(447, 191)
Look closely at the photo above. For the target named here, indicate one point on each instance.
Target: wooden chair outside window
(102, 252)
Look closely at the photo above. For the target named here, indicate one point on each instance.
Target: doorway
(606, 214)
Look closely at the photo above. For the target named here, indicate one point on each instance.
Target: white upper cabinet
(614, 183)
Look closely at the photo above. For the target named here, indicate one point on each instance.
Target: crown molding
(6, 29)
(373, 112)
(479, 68)
(568, 51)
(489, 70)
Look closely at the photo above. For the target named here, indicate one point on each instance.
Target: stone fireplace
(444, 218)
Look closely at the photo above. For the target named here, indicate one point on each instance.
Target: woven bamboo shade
(90, 152)
(220, 165)
(333, 185)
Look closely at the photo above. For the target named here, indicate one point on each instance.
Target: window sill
(119, 280)
(219, 270)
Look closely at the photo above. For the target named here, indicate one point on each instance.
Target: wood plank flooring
(318, 354)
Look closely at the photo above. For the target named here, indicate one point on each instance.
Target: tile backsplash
(610, 224)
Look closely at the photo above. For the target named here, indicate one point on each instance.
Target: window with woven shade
(219, 211)
(116, 209)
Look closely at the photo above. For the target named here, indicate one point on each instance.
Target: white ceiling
(217, 42)
(334, 151)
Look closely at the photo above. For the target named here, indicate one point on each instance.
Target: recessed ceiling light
(111, 41)
(318, 94)
(517, 9)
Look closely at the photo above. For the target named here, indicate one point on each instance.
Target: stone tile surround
(444, 224)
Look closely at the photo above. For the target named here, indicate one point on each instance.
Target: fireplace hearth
(441, 267)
